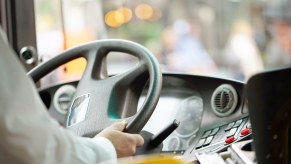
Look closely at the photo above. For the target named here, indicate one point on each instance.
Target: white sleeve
(27, 133)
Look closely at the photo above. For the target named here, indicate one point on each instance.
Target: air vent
(63, 97)
(64, 101)
(224, 100)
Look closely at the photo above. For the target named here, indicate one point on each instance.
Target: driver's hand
(125, 144)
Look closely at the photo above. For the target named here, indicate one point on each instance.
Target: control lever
(154, 143)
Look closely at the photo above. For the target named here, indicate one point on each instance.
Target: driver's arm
(29, 135)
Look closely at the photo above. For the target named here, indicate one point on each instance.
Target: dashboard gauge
(189, 113)
(174, 143)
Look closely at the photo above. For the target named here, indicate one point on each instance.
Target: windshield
(224, 38)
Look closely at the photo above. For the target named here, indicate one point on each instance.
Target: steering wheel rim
(95, 53)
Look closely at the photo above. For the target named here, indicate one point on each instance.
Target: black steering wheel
(101, 100)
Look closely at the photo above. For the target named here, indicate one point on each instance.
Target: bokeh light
(114, 18)
(126, 12)
(157, 14)
(144, 11)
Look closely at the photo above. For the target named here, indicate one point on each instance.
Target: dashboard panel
(189, 99)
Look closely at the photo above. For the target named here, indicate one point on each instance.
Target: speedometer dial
(189, 113)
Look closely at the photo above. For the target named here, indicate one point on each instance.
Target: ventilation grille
(62, 98)
(64, 101)
(224, 100)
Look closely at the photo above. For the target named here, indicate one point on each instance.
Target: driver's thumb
(119, 125)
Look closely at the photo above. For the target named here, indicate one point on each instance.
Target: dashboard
(210, 111)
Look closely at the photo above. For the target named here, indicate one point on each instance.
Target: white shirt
(27, 133)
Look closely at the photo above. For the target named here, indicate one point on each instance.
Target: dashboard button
(229, 140)
(232, 132)
(237, 123)
(229, 126)
(208, 140)
(206, 134)
(245, 132)
(200, 143)
(214, 131)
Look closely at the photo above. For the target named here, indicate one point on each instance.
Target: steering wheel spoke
(127, 78)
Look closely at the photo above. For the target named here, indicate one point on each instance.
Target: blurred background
(223, 38)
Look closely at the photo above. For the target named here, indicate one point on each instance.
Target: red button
(229, 140)
(245, 131)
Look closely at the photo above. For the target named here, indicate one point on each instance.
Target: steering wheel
(101, 100)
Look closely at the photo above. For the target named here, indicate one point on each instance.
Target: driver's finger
(138, 139)
(119, 125)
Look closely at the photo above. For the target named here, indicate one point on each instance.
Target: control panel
(219, 138)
